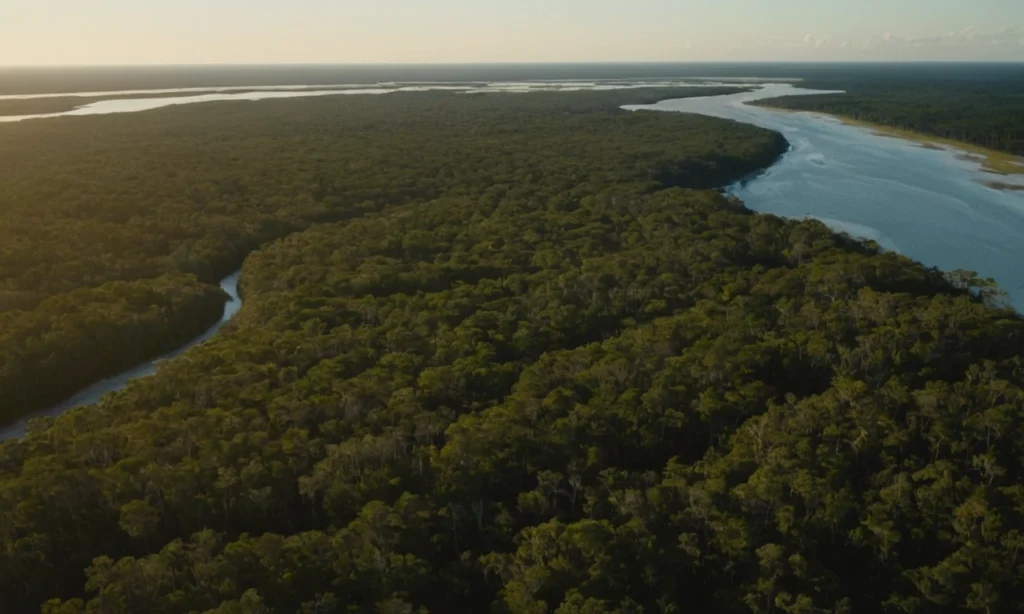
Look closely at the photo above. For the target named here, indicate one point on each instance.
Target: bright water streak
(132, 105)
(925, 203)
(93, 393)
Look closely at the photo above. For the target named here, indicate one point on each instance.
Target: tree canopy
(88, 201)
(563, 384)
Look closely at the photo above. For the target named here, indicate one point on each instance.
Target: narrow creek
(95, 392)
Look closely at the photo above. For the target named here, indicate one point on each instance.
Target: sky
(118, 32)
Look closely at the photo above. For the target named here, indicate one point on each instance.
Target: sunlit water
(928, 204)
(93, 393)
(180, 90)
(135, 104)
(132, 105)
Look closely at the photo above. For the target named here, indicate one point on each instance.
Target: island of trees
(514, 358)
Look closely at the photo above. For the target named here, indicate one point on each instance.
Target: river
(93, 393)
(928, 204)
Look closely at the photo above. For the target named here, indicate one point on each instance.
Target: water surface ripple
(928, 204)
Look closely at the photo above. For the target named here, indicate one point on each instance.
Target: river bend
(928, 204)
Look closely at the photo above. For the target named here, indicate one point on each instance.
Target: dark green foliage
(192, 190)
(70, 340)
(621, 403)
(548, 398)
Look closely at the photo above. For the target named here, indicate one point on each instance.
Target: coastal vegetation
(506, 354)
(991, 160)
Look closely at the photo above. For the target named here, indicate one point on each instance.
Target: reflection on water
(178, 90)
(129, 105)
(928, 204)
(93, 393)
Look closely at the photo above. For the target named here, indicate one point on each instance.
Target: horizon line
(505, 63)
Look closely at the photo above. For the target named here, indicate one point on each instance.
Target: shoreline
(835, 165)
(992, 161)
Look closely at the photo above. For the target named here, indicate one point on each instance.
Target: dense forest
(191, 191)
(538, 374)
(945, 108)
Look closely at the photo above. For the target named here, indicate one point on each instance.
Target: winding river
(928, 204)
(93, 393)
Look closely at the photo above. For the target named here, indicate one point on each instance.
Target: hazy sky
(347, 31)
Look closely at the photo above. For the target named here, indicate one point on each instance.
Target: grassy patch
(1000, 185)
(991, 160)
